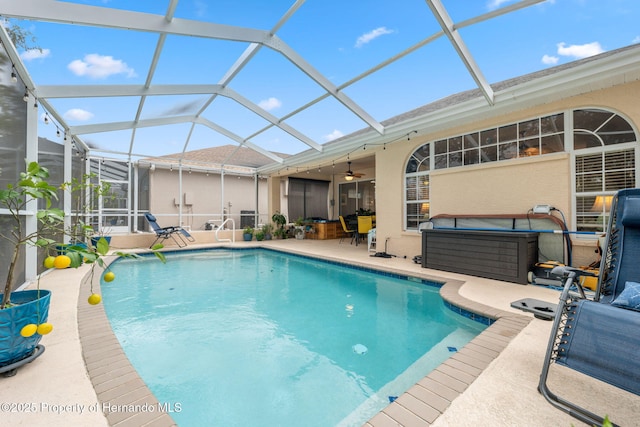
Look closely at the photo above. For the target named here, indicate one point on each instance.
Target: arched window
(604, 157)
(417, 187)
(605, 161)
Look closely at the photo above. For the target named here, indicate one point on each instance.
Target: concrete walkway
(57, 389)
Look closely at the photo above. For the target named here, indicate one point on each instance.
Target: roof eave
(619, 68)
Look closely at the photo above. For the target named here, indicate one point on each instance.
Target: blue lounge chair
(169, 232)
(599, 336)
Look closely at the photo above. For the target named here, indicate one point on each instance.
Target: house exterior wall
(507, 187)
(202, 197)
(503, 187)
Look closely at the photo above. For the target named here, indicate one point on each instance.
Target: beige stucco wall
(511, 187)
(507, 187)
(204, 195)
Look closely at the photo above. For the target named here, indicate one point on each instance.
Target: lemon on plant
(62, 261)
(94, 299)
(28, 330)
(44, 328)
(109, 276)
(48, 261)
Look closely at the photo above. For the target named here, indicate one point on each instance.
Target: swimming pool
(239, 337)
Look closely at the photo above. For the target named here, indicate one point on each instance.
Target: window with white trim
(534, 137)
(604, 153)
(605, 161)
(417, 187)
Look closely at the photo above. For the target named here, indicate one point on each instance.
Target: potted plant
(260, 235)
(247, 233)
(280, 220)
(23, 314)
(299, 228)
(280, 233)
(267, 229)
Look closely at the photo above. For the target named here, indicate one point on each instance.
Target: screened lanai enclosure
(216, 115)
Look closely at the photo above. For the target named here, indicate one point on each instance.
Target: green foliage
(279, 219)
(24, 195)
(156, 248)
(20, 37)
(16, 198)
(83, 191)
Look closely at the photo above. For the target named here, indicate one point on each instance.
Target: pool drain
(360, 349)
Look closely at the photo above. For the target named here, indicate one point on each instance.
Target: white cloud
(371, 35)
(550, 60)
(636, 40)
(31, 54)
(579, 51)
(270, 104)
(495, 4)
(333, 135)
(201, 8)
(99, 66)
(78, 115)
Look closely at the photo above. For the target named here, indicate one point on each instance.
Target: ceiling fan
(349, 174)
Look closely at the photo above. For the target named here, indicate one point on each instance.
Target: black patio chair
(599, 336)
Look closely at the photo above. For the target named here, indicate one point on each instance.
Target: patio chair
(349, 232)
(598, 336)
(168, 232)
(365, 223)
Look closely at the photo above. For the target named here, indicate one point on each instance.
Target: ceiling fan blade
(349, 172)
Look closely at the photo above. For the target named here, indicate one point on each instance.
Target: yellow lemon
(62, 261)
(48, 261)
(44, 328)
(28, 330)
(109, 276)
(94, 299)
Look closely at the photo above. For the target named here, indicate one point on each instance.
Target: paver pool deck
(85, 379)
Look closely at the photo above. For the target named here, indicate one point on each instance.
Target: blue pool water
(257, 337)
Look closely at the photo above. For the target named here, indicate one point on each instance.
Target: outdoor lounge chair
(599, 336)
(169, 232)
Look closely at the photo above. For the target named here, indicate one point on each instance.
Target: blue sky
(340, 39)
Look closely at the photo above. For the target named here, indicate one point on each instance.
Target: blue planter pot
(94, 240)
(29, 307)
(63, 249)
